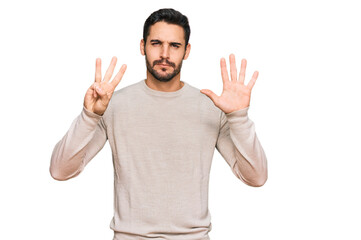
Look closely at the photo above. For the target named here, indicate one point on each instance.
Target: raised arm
(239, 145)
(237, 141)
(87, 134)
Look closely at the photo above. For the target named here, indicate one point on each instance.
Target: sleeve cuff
(238, 118)
(240, 113)
(89, 118)
(91, 114)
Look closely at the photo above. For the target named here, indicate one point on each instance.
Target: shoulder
(127, 90)
(125, 94)
(122, 97)
(205, 102)
(196, 92)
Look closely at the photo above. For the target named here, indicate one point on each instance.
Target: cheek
(151, 53)
(150, 59)
(178, 58)
(178, 54)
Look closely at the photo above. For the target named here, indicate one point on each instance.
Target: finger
(224, 72)
(90, 91)
(232, 61)
(98, 73)
(242, 73)
(119, 76)
(253, 80)
(110, 70)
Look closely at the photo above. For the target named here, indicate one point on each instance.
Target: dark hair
(167, 15)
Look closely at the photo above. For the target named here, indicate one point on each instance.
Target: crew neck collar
(162, 93)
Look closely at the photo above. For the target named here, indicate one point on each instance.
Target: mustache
(164, 61)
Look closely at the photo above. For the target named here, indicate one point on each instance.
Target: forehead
(166, 32)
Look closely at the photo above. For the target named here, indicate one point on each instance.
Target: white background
(305, 105)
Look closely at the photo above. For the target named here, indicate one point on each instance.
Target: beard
(163, 77)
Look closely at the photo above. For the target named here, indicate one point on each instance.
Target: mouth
(163, 65)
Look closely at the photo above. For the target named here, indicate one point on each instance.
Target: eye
(155, 43)
(175, 45)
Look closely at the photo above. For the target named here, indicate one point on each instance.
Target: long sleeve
(84, 139)
(239, 146)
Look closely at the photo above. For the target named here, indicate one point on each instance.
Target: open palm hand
(235, 95)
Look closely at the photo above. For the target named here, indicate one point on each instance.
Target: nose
(165, 51)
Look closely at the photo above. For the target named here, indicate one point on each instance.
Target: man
(162, 133)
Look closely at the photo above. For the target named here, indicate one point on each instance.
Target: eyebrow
(176, 43)
(155, 41)
(158, 41)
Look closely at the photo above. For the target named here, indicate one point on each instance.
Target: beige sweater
(162, 146)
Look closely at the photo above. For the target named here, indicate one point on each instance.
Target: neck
(171, 86)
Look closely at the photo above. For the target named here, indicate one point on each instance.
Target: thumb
(210, 94)
(99, 91)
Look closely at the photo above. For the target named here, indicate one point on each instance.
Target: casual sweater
(162, 146)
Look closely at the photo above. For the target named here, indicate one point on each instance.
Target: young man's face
(165, 50)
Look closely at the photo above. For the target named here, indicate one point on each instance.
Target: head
(165, 43)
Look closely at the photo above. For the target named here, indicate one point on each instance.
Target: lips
(164, 65)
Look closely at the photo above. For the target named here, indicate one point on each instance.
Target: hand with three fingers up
(98, 95)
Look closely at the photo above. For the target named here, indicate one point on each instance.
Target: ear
(142, 47)
(188, 49)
